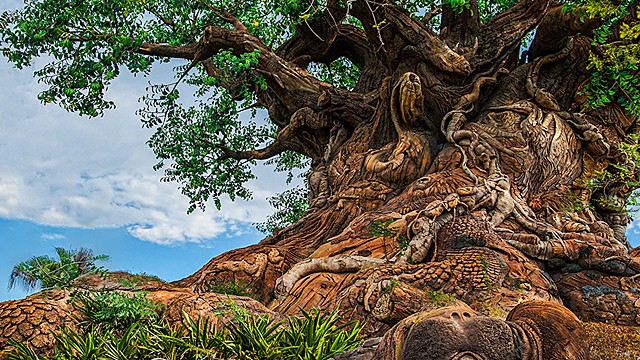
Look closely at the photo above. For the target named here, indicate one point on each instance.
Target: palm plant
(47, 272)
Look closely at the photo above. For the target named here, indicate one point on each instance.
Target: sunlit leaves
(46, 272)
(87, 42)
(617, 57)
(186, 143)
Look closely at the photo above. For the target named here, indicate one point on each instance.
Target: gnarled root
(338, 264)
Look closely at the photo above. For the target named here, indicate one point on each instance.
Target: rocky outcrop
(597, 296)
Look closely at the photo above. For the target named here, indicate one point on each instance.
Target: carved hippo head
(537, 330)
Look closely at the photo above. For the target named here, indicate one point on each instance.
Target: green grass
(238, 288)
(439, 298)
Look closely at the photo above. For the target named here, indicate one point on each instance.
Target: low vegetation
(238, 288)
(612, 342)
(120, 326)
(439, 298)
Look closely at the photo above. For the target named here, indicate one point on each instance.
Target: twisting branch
(404, 33)
(431, 14)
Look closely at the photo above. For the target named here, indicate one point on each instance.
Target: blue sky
(76, 182)
(23, 239)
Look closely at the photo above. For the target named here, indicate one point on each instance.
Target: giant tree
(483, 149)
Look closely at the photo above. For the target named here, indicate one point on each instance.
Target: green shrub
(238, 288)
(316, 336)
(115, 311)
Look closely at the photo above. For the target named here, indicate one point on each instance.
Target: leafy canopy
(89, 42)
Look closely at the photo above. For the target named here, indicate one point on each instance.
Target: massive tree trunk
(454, 165)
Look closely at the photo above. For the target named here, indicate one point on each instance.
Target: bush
(239, 288)
(115, 311)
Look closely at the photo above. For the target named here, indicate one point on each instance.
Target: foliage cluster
(46, 272)
(290, 205)
(115, 311)
(381, 228)
(616, 57)
(129, 327)
(620, 179)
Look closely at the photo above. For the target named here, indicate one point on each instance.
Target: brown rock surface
(32, 320)
(596, 296)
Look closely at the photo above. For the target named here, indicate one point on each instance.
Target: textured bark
(471, 159)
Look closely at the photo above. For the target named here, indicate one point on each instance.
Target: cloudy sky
(77, 182)
(71, 181)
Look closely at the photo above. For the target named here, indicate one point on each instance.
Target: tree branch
(460, 28)
(346, 40)
(556, 27)
(293, 87)
(268, 152)
(395, 31)
(171, 51)
(314, 37)
(503, 34)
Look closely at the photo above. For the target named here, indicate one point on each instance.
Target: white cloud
(62, 170)
(53, 237)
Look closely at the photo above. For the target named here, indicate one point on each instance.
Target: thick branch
(460, 28)
(293, 87)
(260, 154)
(171, 51)
(313, 38)
(391, 28)
(502, 35)
(347, 41)
(556, 27)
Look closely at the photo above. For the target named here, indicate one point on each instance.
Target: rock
(32, 320)
(533, 330)
(597, 296)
